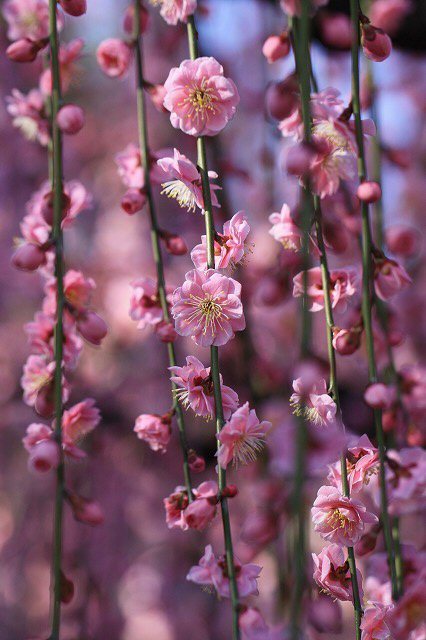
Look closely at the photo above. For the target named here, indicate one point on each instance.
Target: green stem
(57, 184)
(214, 354)
(367, 288)
(334, 389)
(155, 233)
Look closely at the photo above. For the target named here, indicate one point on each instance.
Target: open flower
(342, 287)
(154, 429)
(174, 11)
(183, 514)
(212, 571)
(406, 477)
(310, 399)
(29, 115)
(200, 99)
(362, 461)
(184, 182)
(284, 230)
(242, 437)
(229, 246)
(340, 519)
(196, 389)
(332, 572)
(145, 305)
(80, 420)
(27, 19)
(208, 308)
(389, 278)
(373, 624)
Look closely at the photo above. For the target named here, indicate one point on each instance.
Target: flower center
(180, 192)
(206, 312)
(337, 520)
(200, 99)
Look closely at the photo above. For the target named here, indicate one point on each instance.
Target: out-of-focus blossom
(374, 625)
(294, 7)
(339, 519)
(27, 19)
(154, 429)
(369, 192)
(184, 182)
(389, 277)
(229, 247)
(200, 99)
(380, 396)
(29, 115)
(68, 55)
(342, 288)
(402, 240)
(242, 437)
(208, 308)
(212, 571)
(129, 16)
(408, 614)
(174, 11)
(389, 14)
(145, 306)
(80, 420)
(254, 627)
(284, 230)
(195, 389)
(406, 479)
(362, 463)
(84, 510)
(131, 171)
(114, 57)
(332, 573)
(276, 47)
(74, 8)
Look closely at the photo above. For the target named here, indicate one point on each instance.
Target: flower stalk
(367, 281)
(57, 187)
(214, 352)
(155, 231)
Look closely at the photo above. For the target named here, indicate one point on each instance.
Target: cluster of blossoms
(36, 251)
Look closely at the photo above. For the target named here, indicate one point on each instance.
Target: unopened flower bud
(175, 245)
(70, 119)
(230, 491)
(23, 50)
(380, 396)
(281, 98)
(376, 44)
(166, 331)
(369, 192)
(402, 240)
(92, 327)
(74, 8)
(44, 456)
(196, 463)
(133, 201)
(47, 207)
(114, 56)
(157, 93)
(66, 589)
(129, 18)
(346, 341)
(276, 47)
(28, 257)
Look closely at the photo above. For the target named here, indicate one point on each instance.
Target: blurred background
(130, 573)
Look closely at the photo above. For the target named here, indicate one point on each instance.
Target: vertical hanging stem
(367, 285)
(300, 39)
(57, 186)
(214, 353)
(155, 235)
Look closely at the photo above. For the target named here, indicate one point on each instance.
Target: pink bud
(166, 331)
(346, 341)
(92, 327)
(24, 50)
(368, 542)
(369, 192)
(376, 44)
(175, 244)
(197, 464)
(28, 257)
(44, 456)
(380, 396)
(114, 57)
(276, 47)
(129, 19)
(70, 119)
(86, 511)
(402, 240)
(47, 206)
(230, 491)
(74, 7)
(45, 401)
(281, 98)
(336, 30)
(133, 201)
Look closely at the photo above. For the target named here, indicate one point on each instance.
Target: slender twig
(304, 66)
(300, 43)
(57, 184)
(367, 282)
(155, 232)
(214, 352)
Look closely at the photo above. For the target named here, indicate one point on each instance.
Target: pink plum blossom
(200, 99)
(145, 305)
(181, 513)
(229, 246)
(174, 11)
(406, 480)
(208, 308)
(380, 396)
(389, 14)
(389, 278)
(284, 230)
(408, 614)
(376, 44)
(311, 399)
(332, 572)
(276, 47)
(342, 288)
(373, 623)
(184, 182)
(212, 571)
(254, 627)
(114, 57)
(362, 462)
(294, 7)
(339, 519)
(80, 420)
(29, 115)
(154, 429)
(27, 19)
(242, 437)
(131, 171)
(195, 389)
(68, 55)
(40, 334)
